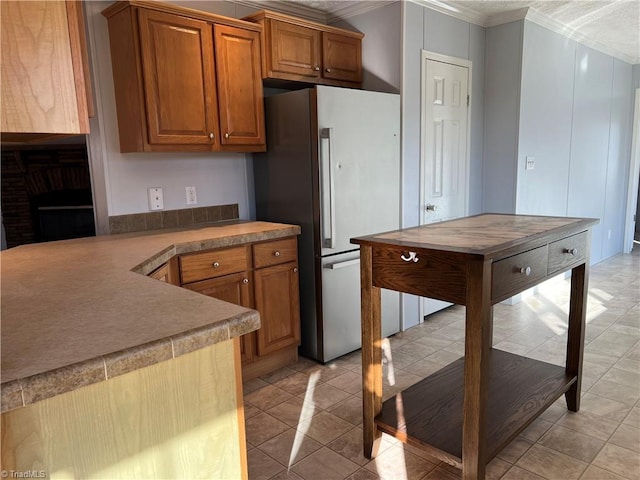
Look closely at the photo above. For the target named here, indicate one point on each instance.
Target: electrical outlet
(192, 198)
(530, 163)
(156, 200)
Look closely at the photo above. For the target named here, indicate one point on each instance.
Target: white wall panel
(590, 140)
(546, 105)
(446, 35)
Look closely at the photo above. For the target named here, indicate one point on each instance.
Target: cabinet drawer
(275, 253)
(215, 263)
(517, 273)
(568, 252)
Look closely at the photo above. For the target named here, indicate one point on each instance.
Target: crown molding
(289, 8)
(506, 17)
(461, 13)
(353, 8)
(551, 24)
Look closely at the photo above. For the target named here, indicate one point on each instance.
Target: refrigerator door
(341, 306)
(359, 162)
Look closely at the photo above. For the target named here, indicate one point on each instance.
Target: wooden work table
(468, 411)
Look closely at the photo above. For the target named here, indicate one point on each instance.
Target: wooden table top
(484, 234)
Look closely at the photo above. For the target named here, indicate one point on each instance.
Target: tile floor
(304, 421)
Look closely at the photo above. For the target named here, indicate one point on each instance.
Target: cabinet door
(277, 299)
(43, 83)
(240, 100)
(178, 71)
(295, 50)
(342, 57)
(236, 289)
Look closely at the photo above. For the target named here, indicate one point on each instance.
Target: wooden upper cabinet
(240, 98)
(294, 49)
(44, 69)
(300, 50)
(342, 57)
(180, 89)
(179, 79)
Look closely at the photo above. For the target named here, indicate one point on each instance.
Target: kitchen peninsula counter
(77, 312)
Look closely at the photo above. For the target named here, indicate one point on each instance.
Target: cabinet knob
(245, 280)
(571, 251)
(212, 136)
(295, 269)
(317, 69)
(216, 264)
(328, 70)
(526, 271)
(276, 253)
(226, 135)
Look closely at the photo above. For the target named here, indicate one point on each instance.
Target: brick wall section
(29, 172)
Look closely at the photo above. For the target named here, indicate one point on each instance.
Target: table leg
(371, 354)
(575, 335)
(476, 369)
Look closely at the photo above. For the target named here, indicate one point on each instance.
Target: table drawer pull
(526, 271)
(276, 253)
(215, 264)
(571, 251)
(413, 257)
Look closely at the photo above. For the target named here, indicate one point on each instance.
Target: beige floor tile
(442, 473)
(364, 474)
(325, 427)
(290, 447)
(443, 357)
(550, 464)
(350, 382)
(349, 410)
(423, 368)
(295, 384)
(262, 427)
(278, 375)
(517, 473)
(261, 466)
(511, 347)
(572, 443)
(350, 446)
(324, 396)
(597, 473)
(619, 460)
(324, 464)
(627, 437)
(416, 350)
(537, 428)
(629, 365)
(589, 424)
(253, 385)
(512, 452)
(267, 397)
(250, 410)
(396, 463)
(292, 412)
(284, 475)
(555, 412)
(621, 393)
(604, 407)
(435, 342)
(325, 372)
(623, 377)
(496, 469)
(633, 418)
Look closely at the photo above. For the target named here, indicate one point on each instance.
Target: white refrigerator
(332, 166)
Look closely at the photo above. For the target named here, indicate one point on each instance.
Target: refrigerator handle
(328, 195)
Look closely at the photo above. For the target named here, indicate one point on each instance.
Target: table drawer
(275, 252)
(517, 273)
(214, 263)
(568, 252)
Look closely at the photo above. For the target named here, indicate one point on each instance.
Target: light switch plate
(156, 200)
(530, 163)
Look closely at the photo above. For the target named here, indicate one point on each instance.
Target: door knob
(430, 208)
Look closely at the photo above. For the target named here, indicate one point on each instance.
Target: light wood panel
(176, 419)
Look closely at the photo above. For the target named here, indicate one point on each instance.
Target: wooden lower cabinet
(271, 287)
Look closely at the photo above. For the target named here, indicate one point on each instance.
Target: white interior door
(445, 139)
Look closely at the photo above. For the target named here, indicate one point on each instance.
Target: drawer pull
(571, 251)
(216, 264)
(526, 271)
(295, 269)
(245, 280)
(276, 253)
(413, 257)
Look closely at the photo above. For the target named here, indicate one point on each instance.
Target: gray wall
(426, 29)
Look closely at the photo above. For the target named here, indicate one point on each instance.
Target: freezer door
(341, 306)
(359, 162)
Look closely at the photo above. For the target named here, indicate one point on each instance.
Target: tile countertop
(77, 312)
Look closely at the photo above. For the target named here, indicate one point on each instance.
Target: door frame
(634, 175)
(460, 62)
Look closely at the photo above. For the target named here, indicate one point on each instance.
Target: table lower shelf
(429, 413)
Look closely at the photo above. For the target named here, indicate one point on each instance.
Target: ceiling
(611, 26)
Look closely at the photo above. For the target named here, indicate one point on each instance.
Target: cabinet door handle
(328, 70)
(226, 135)
(317, 69)
(571, 251)
(526, 271)
(276, 253)
(212, 136)
(413, 257)
(216, 264)
(245, 280)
